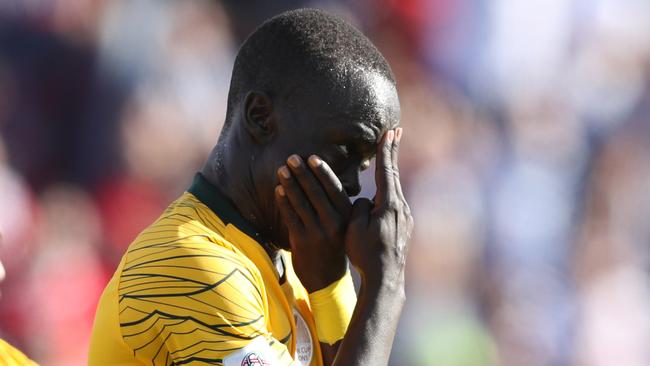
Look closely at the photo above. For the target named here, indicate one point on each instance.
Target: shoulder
(183, 260)
(187, 235)
(185, 248)
(182, 283)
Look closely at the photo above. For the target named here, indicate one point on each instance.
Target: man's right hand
(378, 232)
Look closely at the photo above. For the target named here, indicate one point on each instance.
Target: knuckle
(289, 184)
(298, 231)
(303, 206)
(292, 224)
(393, 206)
(388, 170)
(283, 204)
(406, 209)
(299, 171)
(338, 186)
(298, 203)
(323, 169)
(331, 233)
(313, 191)
(336, 228)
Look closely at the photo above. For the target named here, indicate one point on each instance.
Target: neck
(235, 180)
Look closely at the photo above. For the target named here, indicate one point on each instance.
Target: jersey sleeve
(194, 303)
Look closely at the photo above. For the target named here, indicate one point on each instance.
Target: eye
(348, 151)
(344, 150)
(335, 155)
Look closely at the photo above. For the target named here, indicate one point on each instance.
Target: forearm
(369, 338)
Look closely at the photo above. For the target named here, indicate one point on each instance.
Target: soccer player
(248, 267)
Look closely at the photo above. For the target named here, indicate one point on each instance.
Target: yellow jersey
(9, 356)
(196, 287)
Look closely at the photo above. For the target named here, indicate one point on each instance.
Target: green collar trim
(212, 197)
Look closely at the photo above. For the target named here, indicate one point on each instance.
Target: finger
(289, 216)
(395, 162)
(332, 185)
(313, 190)
(384, 171)
(296, 197)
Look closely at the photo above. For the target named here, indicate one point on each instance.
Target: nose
(350, 181)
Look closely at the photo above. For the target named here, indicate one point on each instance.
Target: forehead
(362, 103)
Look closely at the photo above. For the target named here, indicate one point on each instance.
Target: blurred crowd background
(526, 160)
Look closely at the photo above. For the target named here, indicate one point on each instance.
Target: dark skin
(303, 164)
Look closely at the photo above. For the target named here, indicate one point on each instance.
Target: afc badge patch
(257, 353)
(253, 359)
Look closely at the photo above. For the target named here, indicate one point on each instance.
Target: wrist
(384, 281)
(332, 308)
(331, 272)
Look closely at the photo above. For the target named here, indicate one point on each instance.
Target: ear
(259, 118)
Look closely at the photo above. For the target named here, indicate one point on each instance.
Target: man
(249, 266)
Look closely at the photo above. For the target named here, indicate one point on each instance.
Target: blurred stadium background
(526, 161)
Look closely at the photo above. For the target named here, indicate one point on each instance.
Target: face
(343, 127)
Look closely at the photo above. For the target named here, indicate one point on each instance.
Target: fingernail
(315, 161)
(284, 172)
(398, 134)
(280, 190)
(294, 161)
(389, 136)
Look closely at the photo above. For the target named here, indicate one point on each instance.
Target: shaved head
(304, 53)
